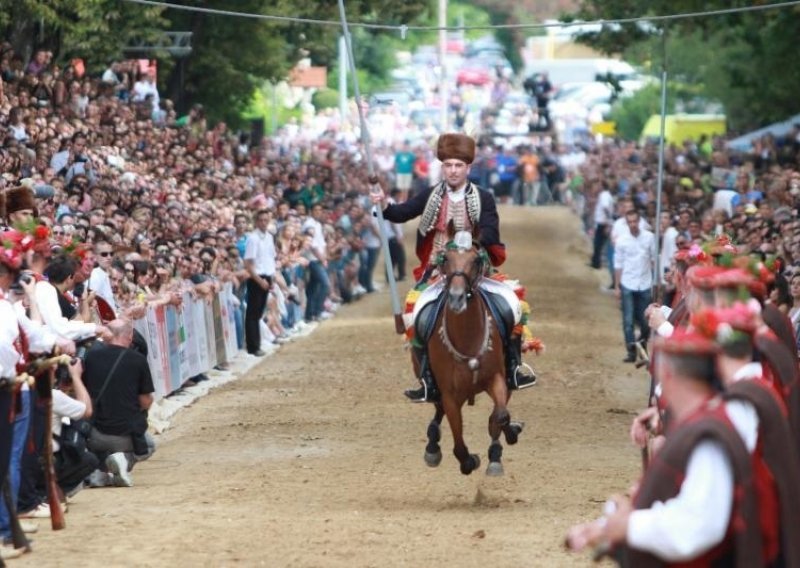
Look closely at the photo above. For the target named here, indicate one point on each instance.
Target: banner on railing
(187, 341)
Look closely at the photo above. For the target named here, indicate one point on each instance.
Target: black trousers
(600, 238)
(256, 304)
(398, 256)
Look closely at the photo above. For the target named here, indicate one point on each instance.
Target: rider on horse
(466, 205)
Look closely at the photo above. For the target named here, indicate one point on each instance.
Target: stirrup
(516, 376)
(422, 394)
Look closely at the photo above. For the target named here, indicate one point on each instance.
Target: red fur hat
(455, 147)
(19, 199)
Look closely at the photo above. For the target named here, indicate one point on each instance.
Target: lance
(373, 179)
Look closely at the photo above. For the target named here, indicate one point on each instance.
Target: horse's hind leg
(469, 462)
(433, 453)
(499, 420)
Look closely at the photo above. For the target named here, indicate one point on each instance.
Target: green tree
(233, 56)
(742, 60)
(95, 30)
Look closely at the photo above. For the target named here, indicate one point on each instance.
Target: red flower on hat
(41, 232)
(706, 323)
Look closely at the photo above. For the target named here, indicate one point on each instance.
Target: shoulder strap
(108, 377)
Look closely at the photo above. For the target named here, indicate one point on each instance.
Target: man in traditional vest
(760, 417)
(466, 205)
(695, 503)
(779, 361)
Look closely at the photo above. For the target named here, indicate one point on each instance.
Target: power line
(405, 28)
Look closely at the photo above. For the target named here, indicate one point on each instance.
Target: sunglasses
(105, 254)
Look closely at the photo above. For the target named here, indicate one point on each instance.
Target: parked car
(473, 75)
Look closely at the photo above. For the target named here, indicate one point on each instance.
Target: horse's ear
(451, 230)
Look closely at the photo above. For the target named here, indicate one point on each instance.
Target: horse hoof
(513, 431)
(494, 469)
(469, 465)
(433, 460)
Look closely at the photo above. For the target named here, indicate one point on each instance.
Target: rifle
(44, 371)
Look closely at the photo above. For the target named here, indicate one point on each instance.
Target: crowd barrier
(188, 340)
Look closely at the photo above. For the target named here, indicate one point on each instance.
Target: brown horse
(466, 358)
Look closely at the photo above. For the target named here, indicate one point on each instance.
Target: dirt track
(315, 458)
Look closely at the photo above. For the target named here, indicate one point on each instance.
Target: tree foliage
(234, 56)
(231, 56)
(743, 60)
(95, 30)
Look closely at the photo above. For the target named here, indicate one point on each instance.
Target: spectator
(318, 282)
(259, 261)
(634, 259)
(404, 169)
(119, 382)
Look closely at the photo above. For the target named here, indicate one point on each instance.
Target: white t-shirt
(64, 406)
(604, 208)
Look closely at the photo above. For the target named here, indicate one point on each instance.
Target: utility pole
(444, 87)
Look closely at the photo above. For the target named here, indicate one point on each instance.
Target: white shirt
(47, 301)
(143, 88)
(39, 339)
(668, 250)
(318, 240)
(620, 228)
(60, 160)
(100, 284)
(64, 406)
(723, 199)
(635, 257)
(604, 208)
(743, 415)
(260, 248)
(8, 335)
(695, 520)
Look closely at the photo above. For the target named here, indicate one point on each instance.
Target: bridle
(472, 361)
(471, 281)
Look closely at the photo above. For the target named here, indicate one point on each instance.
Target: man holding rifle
(19, 336)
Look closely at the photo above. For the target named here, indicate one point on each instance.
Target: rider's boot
(519, 375)
(428, 392)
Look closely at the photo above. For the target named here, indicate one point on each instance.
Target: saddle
(499, 309)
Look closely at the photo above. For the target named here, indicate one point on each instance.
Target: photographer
(73, 463)
(73, 160)
(119, 382)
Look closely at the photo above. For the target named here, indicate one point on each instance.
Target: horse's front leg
(499, 420)
(433, 453)
(469, 462)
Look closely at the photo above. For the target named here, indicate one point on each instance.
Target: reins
(472, 361)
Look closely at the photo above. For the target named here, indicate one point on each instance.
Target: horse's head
(462, 264)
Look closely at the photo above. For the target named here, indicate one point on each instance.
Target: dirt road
(315, 459)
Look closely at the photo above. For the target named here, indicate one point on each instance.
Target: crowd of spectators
(143, 206)
(709, 190)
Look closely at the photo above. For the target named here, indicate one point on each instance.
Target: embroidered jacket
(481, 210)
